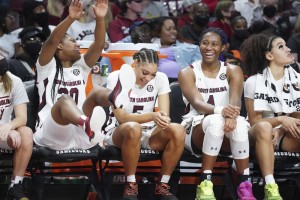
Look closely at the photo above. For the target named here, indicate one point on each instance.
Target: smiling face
(211, 46)
(168, 34)
(145, 72)
(279, 54)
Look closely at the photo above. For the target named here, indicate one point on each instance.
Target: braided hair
(59, 71)
(146, 55)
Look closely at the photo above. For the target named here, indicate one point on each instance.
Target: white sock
(16, 180)
(207, 172)
(165, 178)
(269, 179)
(246, 171)
(131, 179)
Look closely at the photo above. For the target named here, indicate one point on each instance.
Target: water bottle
(104, 74)
(96, 77)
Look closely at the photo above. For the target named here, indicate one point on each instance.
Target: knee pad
(240, 133)
(213, 124)
(239, 141)
(213, 129)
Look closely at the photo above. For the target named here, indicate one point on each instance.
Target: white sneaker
(96, 122)
(119, 97)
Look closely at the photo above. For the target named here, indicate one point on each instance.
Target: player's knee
(177, 132)
(26, 136)
(263, 131)
(132, 131)
(240, 134)
(214, 125)
(65, 98)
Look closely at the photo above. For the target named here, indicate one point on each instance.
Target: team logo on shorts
(150, 88)
(222, 76)
(76, 72)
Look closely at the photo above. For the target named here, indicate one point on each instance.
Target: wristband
(218, 110)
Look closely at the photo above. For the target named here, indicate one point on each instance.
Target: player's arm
(187, 79)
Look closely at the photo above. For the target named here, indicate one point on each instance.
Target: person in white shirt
(246, 8)
(68, 119)
(137, 125)
(272, 102)
(14, 134)
(153, 9)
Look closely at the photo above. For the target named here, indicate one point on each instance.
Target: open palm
(75, 9)
(100, 8)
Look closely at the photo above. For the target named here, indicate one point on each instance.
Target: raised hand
(75, 9)
(100, 8)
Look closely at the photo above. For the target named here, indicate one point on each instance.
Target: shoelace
(163, 189)
(130, 189)
(17, 191)
(206, 190)
(246, 192)
(273, 190)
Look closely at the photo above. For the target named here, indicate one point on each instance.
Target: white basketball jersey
(73, 84)
(142, 100)
(17, 96)
(214, 91)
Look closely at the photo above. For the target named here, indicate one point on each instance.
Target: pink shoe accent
(244, 191)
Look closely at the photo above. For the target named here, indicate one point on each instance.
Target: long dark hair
(253, 52)
(59, 71)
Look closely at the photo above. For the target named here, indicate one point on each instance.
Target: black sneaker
(162, 192)
(119, 97)
(16, 192)
(130, 191)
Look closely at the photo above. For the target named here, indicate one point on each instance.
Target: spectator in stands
(115, 7)
(240, 32)
(153, 9)
(190, 32)
(57, 10)
(14, 135)
(23, 65)
(140, 32)
(8, 43)
(211, 5)
(67, 118)
(83, 28)
(275, 119)
(212, 93)
(224, 12)
(265, 18)
(137, 125)
(187, 15)
(180, 54)
(246, 8)
(259, 10)
(119, 27)
(294, 42)
(36, 14)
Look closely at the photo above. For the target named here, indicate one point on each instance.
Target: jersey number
(137, 108)
(73, 93)
(211, 100)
